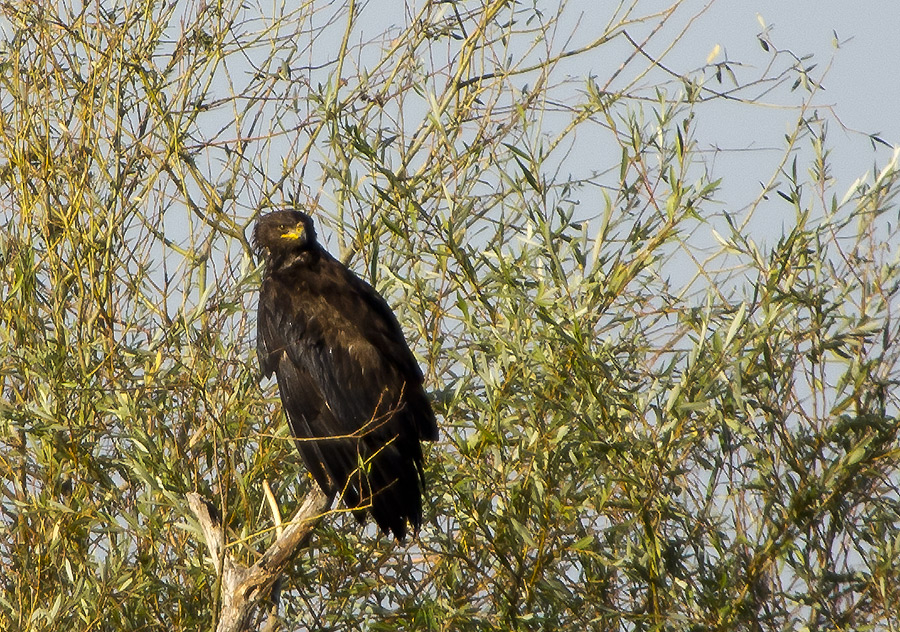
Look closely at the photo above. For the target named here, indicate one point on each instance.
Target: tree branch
(243, 588)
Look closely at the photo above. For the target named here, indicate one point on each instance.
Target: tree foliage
(653, 416)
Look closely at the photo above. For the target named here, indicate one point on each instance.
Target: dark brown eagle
(350, 386)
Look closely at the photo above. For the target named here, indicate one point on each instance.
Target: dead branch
(243, 588)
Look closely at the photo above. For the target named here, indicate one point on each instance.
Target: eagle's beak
(296, 233)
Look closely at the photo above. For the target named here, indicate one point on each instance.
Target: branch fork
(242, 587)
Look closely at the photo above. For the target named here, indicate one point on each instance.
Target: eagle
(350, 387)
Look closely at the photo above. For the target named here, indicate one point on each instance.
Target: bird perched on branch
(349, 384)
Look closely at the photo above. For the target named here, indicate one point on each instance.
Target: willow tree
(656, 411)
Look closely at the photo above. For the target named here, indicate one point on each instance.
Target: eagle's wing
(300, 396)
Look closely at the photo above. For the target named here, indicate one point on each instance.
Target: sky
(861, 94)
(854, 46)
(863, 84)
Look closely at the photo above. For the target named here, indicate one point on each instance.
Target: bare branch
(243, 588)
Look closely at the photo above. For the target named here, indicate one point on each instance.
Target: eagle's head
(284, 232)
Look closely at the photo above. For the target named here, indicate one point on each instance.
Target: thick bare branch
(242, 587)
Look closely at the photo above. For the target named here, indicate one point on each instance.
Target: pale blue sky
(864, 82)
(861, 93)
(743, 142)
